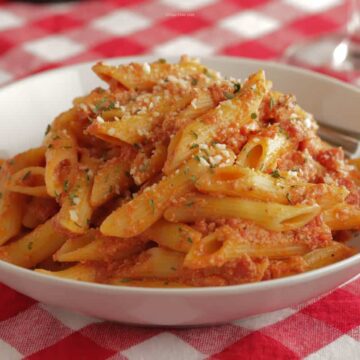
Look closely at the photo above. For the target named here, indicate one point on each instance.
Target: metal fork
(349, 141)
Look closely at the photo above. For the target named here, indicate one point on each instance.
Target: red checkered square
(217, 11)
(116, 336)
(74, 346)
(302, 333)
(185, 24)
(11, 302)
(217, 337)
(118, 47)
(339, 309)
(252, 49)
(256, 346)
(57, 23)
(353, 287)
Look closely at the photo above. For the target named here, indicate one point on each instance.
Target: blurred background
(39, 35)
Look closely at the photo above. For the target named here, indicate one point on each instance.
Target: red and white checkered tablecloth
(38, 37)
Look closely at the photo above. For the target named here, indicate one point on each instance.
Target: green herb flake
(162, 61)
(194, 134)
(253, 116)
(136, 146)
(237, 87)
(193, 178)
(194, 82)
(26, 176)
(197, 158)
(127, 173)
(190, 203)
(66, 185)
(194, 146)
(276, 174)
(152, 205)
(187, 170)
(271, 102)
(228, 95)
(180, 229)
(48, 128)
(30, 245)
(189, 239)
(125, 280)
(72, 197)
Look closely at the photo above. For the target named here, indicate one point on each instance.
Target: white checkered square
(260, 321)
(163, 347)
(9, 20)
(121, 22)
(250, 24)
(8, 352)
(345, 347)
(184, 44)
(72, 320)
(54, 48)
(313, 6)
(187, 5)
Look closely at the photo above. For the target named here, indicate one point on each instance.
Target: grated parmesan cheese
(146, 67)
(111, 131)
(99, 119)
(74, 216)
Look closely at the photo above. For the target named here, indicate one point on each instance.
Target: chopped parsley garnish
(162, 61)
(127, 173)
(136, 146)
(30, 245)
(180, 229)
(194, 82)
(206, 72)
(271, 103)
(228, 95)
(194, 134)
(194, 146)
(276, 174)
(152, 205)
(48, 128)
(189, 239)
(190, 203)
(237, 87)
(66, 185)
(197, 158)
(253, 115)
(193, 178)
(125, 280)
(27, 174)
(72, 197)
(187, 170)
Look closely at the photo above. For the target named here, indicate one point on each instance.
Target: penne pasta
(342, 216)
(271, 216)
(236, 112)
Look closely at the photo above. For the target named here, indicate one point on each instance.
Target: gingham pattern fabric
(38, 37)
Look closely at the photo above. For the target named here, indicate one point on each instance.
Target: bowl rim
(200, 291)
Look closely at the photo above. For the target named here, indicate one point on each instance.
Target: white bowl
(28, 105)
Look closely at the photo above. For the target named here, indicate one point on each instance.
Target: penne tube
(178, 237)
(113, 178)
(34, 247)
(249, 183)
(29, 181)
(328, 255)
(61, 161)
(134, 128)
(134, 217)
(240, 110)
(96, 247)
(81, 272)
(75, 213)
(12, 204)
(224, 245)
(343, 217)
(271, 216)
(262, 152)
(157, 263)
(144, 76)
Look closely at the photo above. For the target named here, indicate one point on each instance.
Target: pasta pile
(174, 176)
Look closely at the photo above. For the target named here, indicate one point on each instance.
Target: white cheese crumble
(99, 119)
(146, 67)
(203, 162)
(203, 147)
(74, 216)
(76, 200)
(111, 131)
